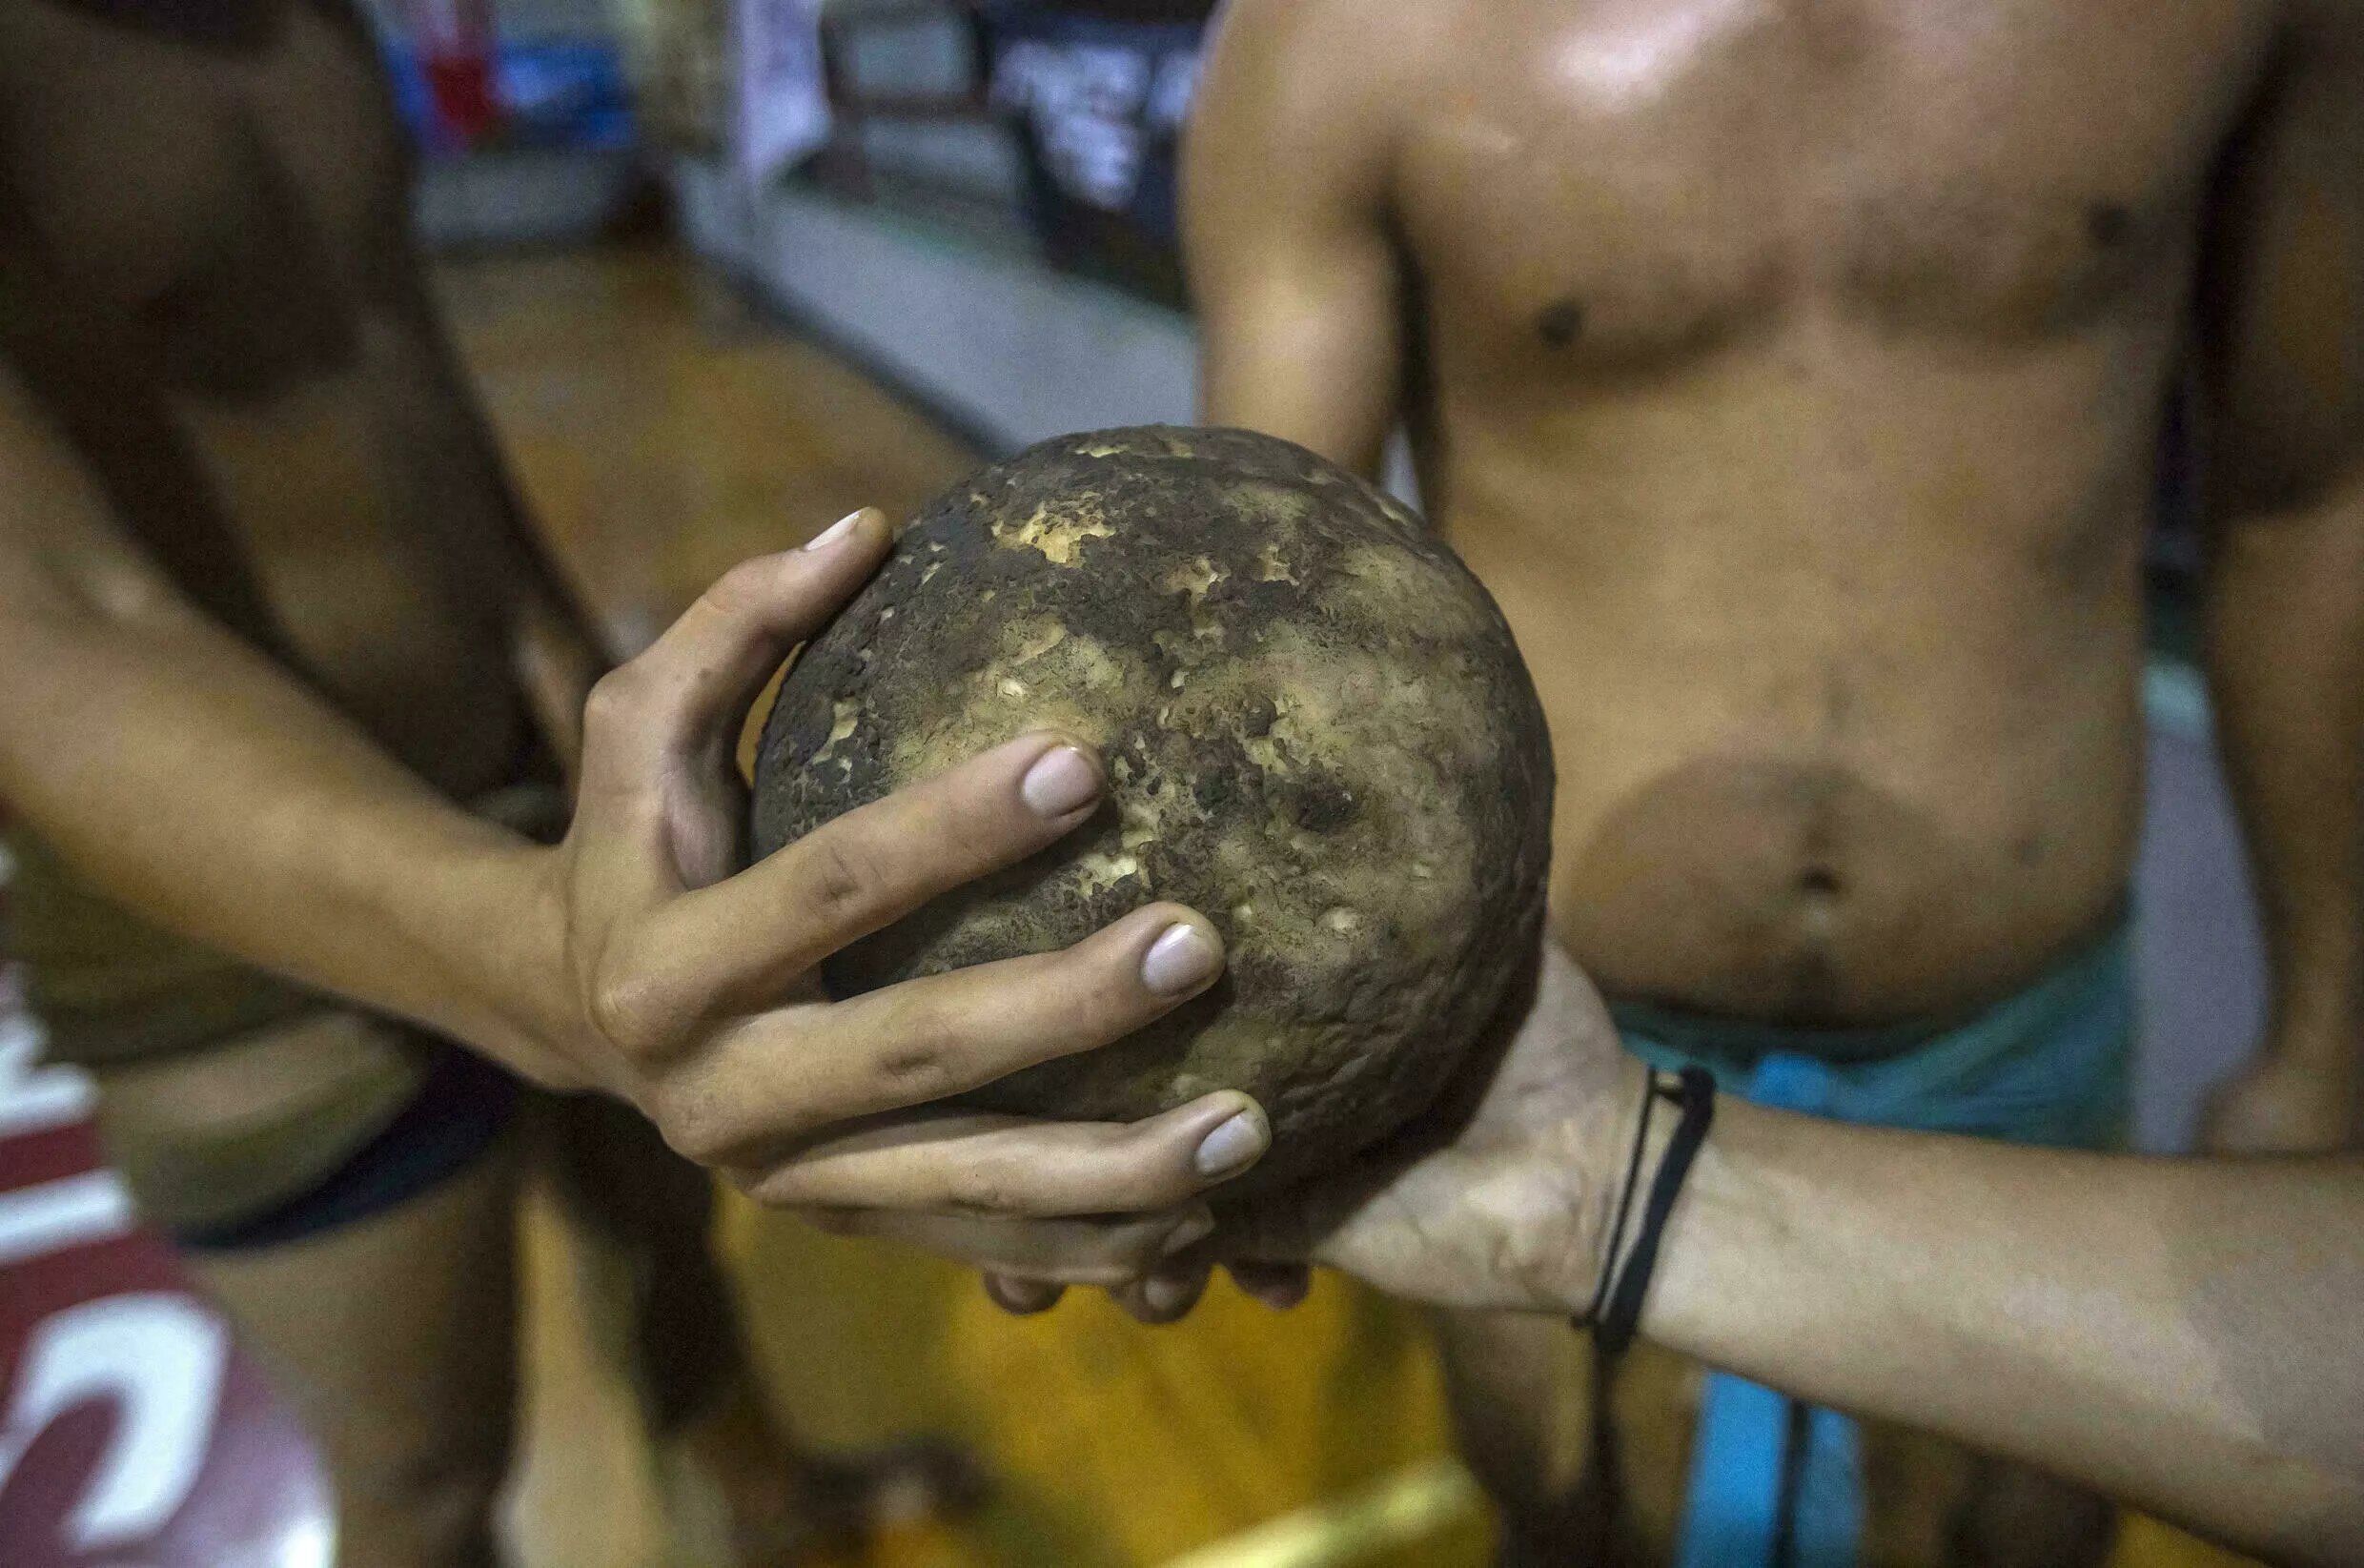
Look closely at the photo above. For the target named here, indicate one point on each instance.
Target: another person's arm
(192, 779)
(2179, 1333)
(558, 650)
(2283, 427)
(1284, 232)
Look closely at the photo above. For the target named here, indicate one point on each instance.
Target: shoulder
(1331, 80)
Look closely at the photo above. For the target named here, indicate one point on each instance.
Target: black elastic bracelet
(1624, 1203)
(1696, 1093)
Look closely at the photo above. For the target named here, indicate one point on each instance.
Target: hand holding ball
(1317, 731)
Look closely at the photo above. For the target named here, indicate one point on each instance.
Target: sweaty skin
(211, 291)
(268, 611)
(1794, 373)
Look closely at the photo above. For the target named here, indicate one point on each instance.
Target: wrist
(1614, 1145)
(1662, 1160)
(1740, 1221)
(495, 936)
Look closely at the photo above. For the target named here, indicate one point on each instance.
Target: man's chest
(1606, 183)
(221, 212)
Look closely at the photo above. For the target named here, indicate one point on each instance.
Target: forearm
(2285, 630)
(2177, 1334)
(188, 778)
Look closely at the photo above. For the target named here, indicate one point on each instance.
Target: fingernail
(1180, 959)
(1233, 1147)
(836, 531)
(1164, 1295)
(1190, 1233)
(1061, 780)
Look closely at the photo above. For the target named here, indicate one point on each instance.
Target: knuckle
(985, 1186)
(690, 1131)
(628, 1013)
(615, 700)
(842, 877)
(913, 1066)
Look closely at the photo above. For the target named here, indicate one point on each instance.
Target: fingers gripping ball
(1316, 729)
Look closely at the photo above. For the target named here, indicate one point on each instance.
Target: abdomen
(1801, 892)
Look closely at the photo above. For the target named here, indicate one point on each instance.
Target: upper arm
(1284, 235)
(2282, 299)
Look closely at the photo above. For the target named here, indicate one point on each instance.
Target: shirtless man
(1793, 371)
(267, 610)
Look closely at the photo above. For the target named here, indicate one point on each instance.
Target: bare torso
(206, 278)
(1793, 371)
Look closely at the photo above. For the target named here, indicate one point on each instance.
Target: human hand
(1501, 1197)
(652, 966)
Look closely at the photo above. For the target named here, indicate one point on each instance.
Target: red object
(133, 1428)
(455, 40)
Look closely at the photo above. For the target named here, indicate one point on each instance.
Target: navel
(2108, 223)
(1559, 323)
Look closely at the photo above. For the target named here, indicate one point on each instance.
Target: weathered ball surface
(1317, 731)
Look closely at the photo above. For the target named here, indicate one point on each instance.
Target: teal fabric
(2050, 1066)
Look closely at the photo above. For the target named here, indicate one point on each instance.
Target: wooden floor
(662, 431)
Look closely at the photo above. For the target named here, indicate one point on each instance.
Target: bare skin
(250, 514)
(1794, 375)
(1812, 765)
(2196, 1356)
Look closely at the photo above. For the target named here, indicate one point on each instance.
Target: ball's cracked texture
(1316, 729)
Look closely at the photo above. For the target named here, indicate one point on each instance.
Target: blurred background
(725, 271)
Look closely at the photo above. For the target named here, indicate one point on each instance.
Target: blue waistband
(2047, 1064)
